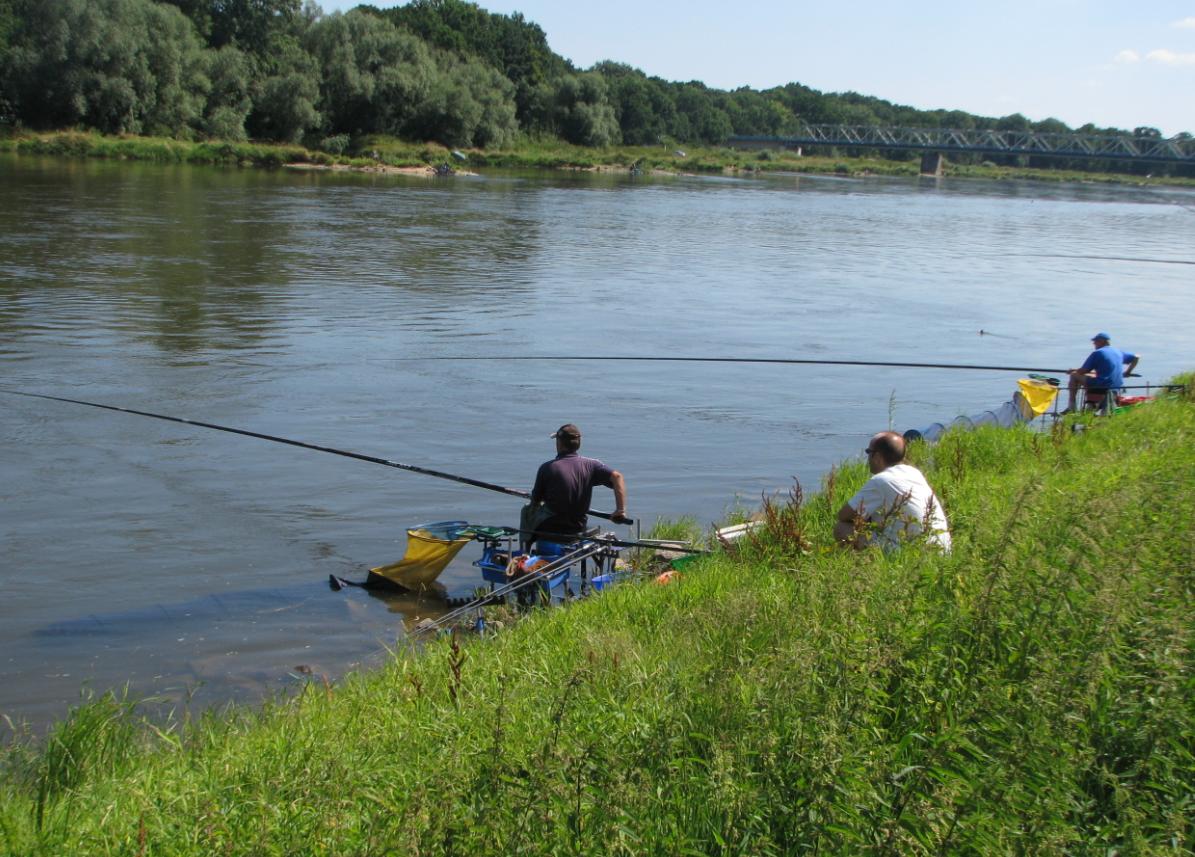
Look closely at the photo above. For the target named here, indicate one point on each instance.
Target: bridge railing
(1178, 149)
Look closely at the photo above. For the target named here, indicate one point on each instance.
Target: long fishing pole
(755, 360)
(566, 561)
(413, 468)
(565, 538)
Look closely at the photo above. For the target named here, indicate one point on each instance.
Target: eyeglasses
(869, 450)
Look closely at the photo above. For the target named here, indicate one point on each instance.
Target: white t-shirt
(902, 484)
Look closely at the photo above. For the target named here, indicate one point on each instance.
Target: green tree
(580, 112)
(643, 106)
(1051, 126)
(229, 100)
(286, 83)
(1013, 122)
(752, 112)
(11, 13)
(374, 77)
(247, 24)
(116, 65)
(806, 105)
(468, 104)
(284, 105)
(510, 44)
(956, 120)
(704, 121)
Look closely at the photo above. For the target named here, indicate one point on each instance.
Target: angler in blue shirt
(1103, 371)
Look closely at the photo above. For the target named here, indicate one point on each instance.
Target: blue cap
(1102, 335)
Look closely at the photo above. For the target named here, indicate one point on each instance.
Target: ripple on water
(303, 306)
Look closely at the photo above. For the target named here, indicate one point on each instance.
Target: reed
(1032, 692)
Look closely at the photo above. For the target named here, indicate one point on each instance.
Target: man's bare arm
(620, 493)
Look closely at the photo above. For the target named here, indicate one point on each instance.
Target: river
(192, 566)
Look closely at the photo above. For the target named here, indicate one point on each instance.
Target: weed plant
(1032, 692)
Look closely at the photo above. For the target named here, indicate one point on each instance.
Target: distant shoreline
(385, 155)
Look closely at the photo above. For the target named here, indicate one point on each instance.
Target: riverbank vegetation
(1033, 692)
(447, 71)
(379, 152)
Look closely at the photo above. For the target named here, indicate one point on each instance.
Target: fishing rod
(497, 594)
(565, 538)
(755, 360)
(584, 551)
(413, 468)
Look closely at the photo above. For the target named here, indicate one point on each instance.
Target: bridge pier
(931, 164)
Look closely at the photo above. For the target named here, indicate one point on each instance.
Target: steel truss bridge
(1176, 150)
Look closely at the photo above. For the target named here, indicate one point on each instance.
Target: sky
(1110, 62)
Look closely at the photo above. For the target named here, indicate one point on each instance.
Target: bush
(336, 144)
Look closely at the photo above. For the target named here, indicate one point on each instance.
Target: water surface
(193, 564)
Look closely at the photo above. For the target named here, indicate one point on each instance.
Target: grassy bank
(1033, 693)
(159, 149)
(374, 151)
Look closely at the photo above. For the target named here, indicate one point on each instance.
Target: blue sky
(1111, 62)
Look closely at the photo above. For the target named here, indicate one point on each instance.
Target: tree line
(437, 70)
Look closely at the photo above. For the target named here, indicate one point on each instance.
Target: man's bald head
(886, 449)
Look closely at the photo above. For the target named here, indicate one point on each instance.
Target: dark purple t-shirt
(566, 484)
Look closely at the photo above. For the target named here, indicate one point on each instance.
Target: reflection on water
(208, 614)
(303, 305)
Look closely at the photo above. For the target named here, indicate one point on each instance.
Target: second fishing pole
(413, 468)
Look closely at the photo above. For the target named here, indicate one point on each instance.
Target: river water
(192, 565)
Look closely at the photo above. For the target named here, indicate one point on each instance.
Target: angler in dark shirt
(564, 488)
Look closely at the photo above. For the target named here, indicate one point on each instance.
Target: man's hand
(621, 518)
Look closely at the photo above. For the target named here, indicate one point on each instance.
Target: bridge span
(1157, 150)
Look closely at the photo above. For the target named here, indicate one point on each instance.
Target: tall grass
(1033, 692)
(528, 153)
(161, 149)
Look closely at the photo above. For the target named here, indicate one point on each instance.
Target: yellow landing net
(1036, 397)
(428, 554)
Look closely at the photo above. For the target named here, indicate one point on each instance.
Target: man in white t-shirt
(895, 505)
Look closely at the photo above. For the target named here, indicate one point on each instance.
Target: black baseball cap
(568, 431)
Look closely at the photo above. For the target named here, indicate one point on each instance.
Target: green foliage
(335, 144)
(374, 77)
(378, 79)
(115, 65)
(1030, 693)
(509, 44)
(246, 24)
(443, 70)
(79, 145)
(469, 104)
(548, 153)
(10, 18)
(229, 100)
(645, 107)
(684, 529)
(578, 110)
(700, 117)
(285, 99)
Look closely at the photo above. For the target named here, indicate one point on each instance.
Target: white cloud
(1185, 24)
(1127, 56)
(1165, 57)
